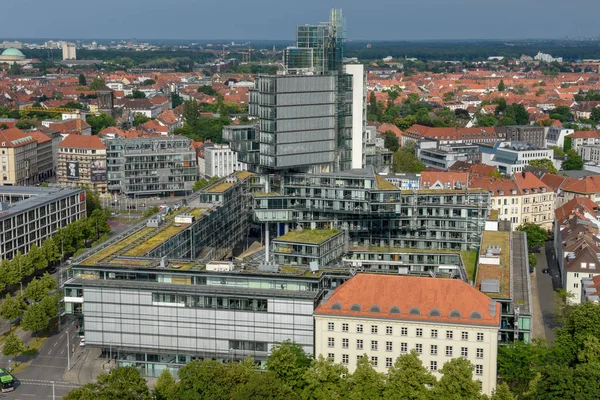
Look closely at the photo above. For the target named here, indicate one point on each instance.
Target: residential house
(584, 138)
(588, 186)
(19, 160)
(453, 135)
(82, 161)
(556, 136)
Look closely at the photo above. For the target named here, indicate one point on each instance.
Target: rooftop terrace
(496, 272)
(314, 236)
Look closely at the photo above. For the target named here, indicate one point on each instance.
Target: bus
(6, 381)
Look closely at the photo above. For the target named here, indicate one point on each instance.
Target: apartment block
(382, 317)
(82, 162)
(514, 157)
(151, 165)
(19, 158)
(220, 160)
(29, 215)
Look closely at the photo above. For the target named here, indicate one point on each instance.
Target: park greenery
(405, 160)
(202, 128)
(544, 163)
(293, 374)
(202, 183)
(536, 235)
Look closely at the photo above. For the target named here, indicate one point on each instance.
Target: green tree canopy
(166, 388)
(12, 308)
(139, 119)
(405, 161)
(365, 382)
(35, 318)
(501, 86)
(82, 80)
(545, 163)
(408, 379)
(208, 90)
(325, 380)
(13, 345)
(391, 141)
(574, 162)
(536, 235)
(457, 381)
(558, 152)
(289, 362)
(123, 383)
(97, 83)
(99, 122)
(137, 94)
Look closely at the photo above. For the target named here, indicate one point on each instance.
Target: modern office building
(534, 135)
(437, 156)
(382, 317)
(312, 115)
(82, 162)
(152, 165)
(514, 157)
(29, 215)
(317, 247)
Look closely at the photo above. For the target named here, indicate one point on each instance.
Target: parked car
(82, 343)
(545, 270)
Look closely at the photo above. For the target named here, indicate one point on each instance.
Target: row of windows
(389, 361)
(403, 331)
(230, 303)
(464, 351)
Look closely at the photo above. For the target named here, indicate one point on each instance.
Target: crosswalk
(40, 382)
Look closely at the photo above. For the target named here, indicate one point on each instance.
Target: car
(545, 271)
(82, 343)
(531, 270)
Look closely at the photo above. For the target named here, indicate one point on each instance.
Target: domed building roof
(13, 53)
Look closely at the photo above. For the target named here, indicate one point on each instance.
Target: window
(419, 348)
(576, 285)
(419, 332)
(433, 350)
(373, 344)
(576, 274)
(344, 327)
(448, 351)
(434, 333)
(464, 335)
(359, 357)
(480, 337)
(331, 357)
(330, 326)
(344, 358)
(374, 329)
(330, 342)
(389, 361)
(388, 346)
(403, 331)
(388, 330)
(433, 366)
(479, 353)
(359, 328)
(359, 344)
(344, 343)
(478, 369)
(449, 335)
(403, 347)
(374, 360)
(464, 352)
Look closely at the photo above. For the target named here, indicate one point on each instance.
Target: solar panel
(490, 286)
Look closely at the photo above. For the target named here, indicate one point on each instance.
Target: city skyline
(266, 20)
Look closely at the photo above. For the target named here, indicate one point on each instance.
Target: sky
(276, 19)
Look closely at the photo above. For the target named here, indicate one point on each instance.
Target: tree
(518, 363)
(457, 381)
(595, 114)
(263, 386)
(15, 69)
(206, 379)
(12, 308)
(82, 80)
(50, 250)
(36, 290)
(165, 388)
(448, 96)
(289, 362)
(97, 83)
(35, 318)
(176, 100)
(408, 379)
(502, 392)
(25, 124)
(123, 383)
(573, 161)
(485, 120)
(536, 235)
(74, 105)
(139, 119)
(149, 82)
(324, 380)
(99, 122)
(208, 90)
(13, 345)
(391, 141)
(558, 152)
(404, 161)
(365, 382)
(50, 305)
(562, 113)
(532, 260)
(501, 86)
(37, 257)
(138, 94)
(92, 201)
(191, 113)
(544, 163)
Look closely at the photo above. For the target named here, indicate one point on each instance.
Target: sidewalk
(86, 365)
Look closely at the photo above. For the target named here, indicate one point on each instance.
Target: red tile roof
(584, 135)
(585, 185)
(498, 186)
(410, 293)
(554, 181)
(483, 169)
(445, 178)
(14, 137)
(578, 205)
(74, 141)
(527, 180)
(40, 137)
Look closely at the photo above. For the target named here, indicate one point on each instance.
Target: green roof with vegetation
(314, 236)
(493, 216)
(498, 272)
(384, 184)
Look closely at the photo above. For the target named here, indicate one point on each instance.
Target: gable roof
(74, 141)
(14, 137)
(585, 185)
(406, 293)
(578, 205)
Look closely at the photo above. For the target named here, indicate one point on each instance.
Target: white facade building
(220, 160)
(358, 111)
(513, 157)
(69, 51)
(383, 317)
(556, 136)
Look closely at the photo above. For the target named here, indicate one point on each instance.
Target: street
(48, 366)
(542, 287)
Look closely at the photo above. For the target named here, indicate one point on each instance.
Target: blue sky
(276, 19)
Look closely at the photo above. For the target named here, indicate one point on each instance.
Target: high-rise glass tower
(306, 110)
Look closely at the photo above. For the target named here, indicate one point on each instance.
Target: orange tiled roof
(585, 185)
(14, 137)
(411, 293)
(584, 134)
(73, 141)
(577, 204)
